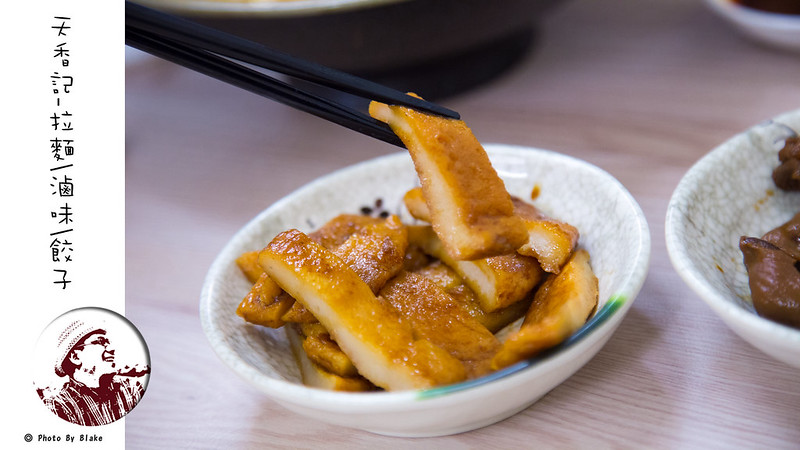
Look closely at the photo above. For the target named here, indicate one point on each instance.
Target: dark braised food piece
(787, 175)
(774, 280)
(786, 237)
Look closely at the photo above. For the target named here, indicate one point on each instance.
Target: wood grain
(642, 89)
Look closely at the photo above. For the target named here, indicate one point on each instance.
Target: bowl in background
(613, 230)
(781, 30)
(729, 193)
(435, 48)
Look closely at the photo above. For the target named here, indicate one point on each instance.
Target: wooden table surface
(642, 89)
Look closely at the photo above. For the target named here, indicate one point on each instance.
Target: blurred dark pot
(390, 41)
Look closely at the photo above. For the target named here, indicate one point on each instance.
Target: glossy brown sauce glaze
(773, 267)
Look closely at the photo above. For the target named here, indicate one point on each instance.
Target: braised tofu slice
(248, 264)
(415, 258)
(378, 341)
(498, 281)
(322, 350)
(550, 241)
(436, 316)
(414, 202)
(337, 230)
(265, 304)
(562, 305)
(446, 278)
(312, 329)
(470, 209)
(298, 314)
(373, 247)
(316, 376)
(376, 251)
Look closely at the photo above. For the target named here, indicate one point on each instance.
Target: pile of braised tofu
(373, 303)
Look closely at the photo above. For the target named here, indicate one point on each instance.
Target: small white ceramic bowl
(775, 29)
(729, 193)
(613, 229)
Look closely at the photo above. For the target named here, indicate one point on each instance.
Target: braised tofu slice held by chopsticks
(470, 209)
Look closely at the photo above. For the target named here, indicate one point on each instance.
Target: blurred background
(640, 88)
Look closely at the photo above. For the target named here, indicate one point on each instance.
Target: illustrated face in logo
(94, 355)
(92, 366)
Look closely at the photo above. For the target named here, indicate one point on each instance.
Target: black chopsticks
(219, 55)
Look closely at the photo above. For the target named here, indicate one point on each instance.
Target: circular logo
(92, 366)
